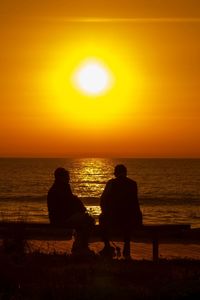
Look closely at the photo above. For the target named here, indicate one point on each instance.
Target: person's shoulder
(131, 181)
(110, 181)
(52, 189)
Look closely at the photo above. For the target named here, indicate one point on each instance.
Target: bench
(154, 234)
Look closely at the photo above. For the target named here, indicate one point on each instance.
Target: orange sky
(151, 48)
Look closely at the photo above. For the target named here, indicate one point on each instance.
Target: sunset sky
(149, 52)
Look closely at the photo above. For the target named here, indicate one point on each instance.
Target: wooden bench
(154, 234)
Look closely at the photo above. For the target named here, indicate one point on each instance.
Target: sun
(92, 77)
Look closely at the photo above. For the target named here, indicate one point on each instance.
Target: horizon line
(113, 19)
(99, 157)
(133, 20)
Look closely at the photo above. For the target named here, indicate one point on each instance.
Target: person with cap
(66, 209)
(120, 210)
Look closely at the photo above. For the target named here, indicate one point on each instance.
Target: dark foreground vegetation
(57, 276)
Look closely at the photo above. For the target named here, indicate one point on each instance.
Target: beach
(139, 251)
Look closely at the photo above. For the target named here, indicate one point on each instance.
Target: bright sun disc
(92, 78)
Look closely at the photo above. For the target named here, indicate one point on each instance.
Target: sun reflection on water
(91, 176)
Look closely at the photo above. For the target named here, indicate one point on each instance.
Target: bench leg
(155, 245)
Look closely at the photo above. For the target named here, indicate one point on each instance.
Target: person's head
(61, 175)
(120, 171)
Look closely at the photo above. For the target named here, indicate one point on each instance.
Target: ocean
(169, 189)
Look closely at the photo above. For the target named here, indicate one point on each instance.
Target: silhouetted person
(120, 210)
(65, 209)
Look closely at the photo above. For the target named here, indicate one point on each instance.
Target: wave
(94, 201)
(23, 198)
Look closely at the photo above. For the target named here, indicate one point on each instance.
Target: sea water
(168, 189)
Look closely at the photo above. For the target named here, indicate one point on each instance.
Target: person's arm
(78, 205)
(137, 210)
(51, 205)
(135, 196)
(105, 198)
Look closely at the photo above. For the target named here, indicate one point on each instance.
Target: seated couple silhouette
(120, 211)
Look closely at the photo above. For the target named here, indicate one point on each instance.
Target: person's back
(60, 201)
(66, 209)
(62, 204)
(119, 200)
(120, 207)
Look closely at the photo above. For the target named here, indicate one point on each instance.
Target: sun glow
(93, 78)
(85, 72)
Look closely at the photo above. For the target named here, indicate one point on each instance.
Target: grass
(57, 276)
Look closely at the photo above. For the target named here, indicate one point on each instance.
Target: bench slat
(154, 234)
(169, 233)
